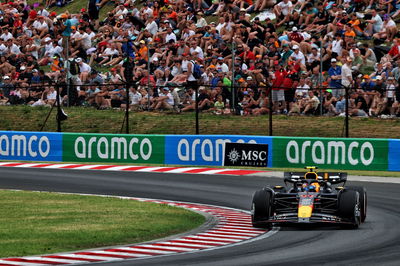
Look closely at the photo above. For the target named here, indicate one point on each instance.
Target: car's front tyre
(349, 208)
(363, 200)
(261, 208)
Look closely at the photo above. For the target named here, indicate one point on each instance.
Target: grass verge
(35, 223)
(89, 120)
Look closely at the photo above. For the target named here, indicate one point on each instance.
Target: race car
(310, 197)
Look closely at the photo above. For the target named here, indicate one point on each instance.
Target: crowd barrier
(293, 152)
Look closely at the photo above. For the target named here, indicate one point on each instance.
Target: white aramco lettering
(22, 146)
(352, 146)
(131, 143)
(321, 158)
(80, 153)
(334, 153)
(114, 148)
(304, 150)
(4, 145)
(209, 157)
(31, 152)
(18, 143)
(104, 141)
(295, 158)
(121, 144)
(146, 142)
(336, 145)
(367, 145)
(44, 152)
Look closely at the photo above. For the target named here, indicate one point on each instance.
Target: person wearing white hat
(335, 77)
(295, 36)
(298, 56)
(84, 69)
(221, 64)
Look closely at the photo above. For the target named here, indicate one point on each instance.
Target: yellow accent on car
(310, 167)
(310, 175)
(304, 212)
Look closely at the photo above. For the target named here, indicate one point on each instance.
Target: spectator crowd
(239, 56)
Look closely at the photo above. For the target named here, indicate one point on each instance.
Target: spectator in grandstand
(174, 38)
(283, 12)
(374, 25)
(346, 75)
(358, 105)
(164, 101)
(84, 69)
(311, 103)
(329, 102)
(48, 97)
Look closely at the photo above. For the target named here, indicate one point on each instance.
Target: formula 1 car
(312, 198)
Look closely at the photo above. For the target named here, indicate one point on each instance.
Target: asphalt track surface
(376, 242)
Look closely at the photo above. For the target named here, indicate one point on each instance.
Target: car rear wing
(332, 177)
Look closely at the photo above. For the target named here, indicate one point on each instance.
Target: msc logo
(245, 154)
(254, 155)
(233, 156)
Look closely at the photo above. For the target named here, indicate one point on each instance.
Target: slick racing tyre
(261, 208)
(363, 200)
(349, 208)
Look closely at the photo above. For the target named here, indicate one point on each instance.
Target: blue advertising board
(30, 146)
(394, 155)
(206, 149)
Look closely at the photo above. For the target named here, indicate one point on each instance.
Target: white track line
(18, 263)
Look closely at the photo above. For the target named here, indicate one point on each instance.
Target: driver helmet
(316, 185)
(311, 188)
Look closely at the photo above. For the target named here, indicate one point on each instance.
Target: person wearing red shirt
(278, 93)
(290, 84)
(395, 50)
(247, 55)
(295, 36)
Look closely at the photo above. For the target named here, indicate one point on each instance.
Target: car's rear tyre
(349, 208)
(363, 200)
(261, 209)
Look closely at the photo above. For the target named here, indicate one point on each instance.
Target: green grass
(90, 120)
(33, 223)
